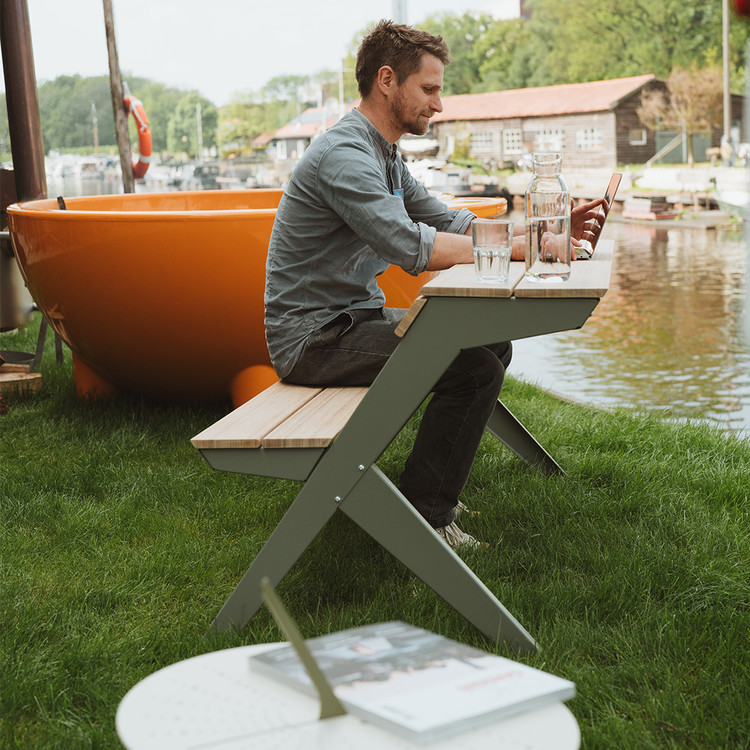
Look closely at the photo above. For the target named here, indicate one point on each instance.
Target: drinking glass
(493, 241)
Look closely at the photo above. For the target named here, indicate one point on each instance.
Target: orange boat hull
(162, 294)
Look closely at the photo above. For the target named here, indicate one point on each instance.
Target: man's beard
(417, 126)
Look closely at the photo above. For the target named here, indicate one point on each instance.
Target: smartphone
(590, 241)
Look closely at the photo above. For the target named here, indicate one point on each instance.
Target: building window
(482, 142)
(589, 139)
(638, 137)
(512, 141)
(549, 139)
(281, 150)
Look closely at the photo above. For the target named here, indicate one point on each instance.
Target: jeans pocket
(331, 331)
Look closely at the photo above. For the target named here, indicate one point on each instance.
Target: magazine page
(417, 682)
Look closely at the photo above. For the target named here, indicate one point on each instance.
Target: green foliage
(192, 116)
(248, 116)
(65, 107)
(571, 41)
(284, 88)
(504, 57)
(581, 40)
(465, 36)
(69, 104)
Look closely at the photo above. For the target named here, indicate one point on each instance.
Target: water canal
(668, 336)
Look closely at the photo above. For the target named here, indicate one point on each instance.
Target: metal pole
(95, 123)
(118, 105)
(726, 151)
(24, 122)
(199, 124)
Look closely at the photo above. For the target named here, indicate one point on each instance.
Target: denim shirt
(350, 210)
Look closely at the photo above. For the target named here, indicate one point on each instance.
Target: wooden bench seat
(282, 432)
(284, 416)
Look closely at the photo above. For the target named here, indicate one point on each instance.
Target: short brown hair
(399, 46)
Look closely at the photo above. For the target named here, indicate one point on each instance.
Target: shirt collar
(389, 149)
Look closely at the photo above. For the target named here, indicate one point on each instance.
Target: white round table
(216, 701)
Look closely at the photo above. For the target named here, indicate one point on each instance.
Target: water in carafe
(547, 216)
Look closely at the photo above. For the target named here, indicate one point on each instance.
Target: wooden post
(24, 122)
(118, 105)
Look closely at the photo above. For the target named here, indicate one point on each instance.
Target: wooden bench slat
(317, 423)
(247, 425)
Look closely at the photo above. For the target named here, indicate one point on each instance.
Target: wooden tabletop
(588, 278)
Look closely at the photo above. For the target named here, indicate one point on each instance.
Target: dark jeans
(353, 348)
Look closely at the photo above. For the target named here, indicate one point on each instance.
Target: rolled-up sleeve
(425, 207)
(460, 222)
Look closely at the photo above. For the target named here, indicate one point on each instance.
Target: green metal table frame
(345, 477)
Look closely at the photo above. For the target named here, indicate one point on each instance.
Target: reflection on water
(668, 335)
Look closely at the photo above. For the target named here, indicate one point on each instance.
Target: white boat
(733, 191)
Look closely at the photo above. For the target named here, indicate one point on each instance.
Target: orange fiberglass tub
(162, 293)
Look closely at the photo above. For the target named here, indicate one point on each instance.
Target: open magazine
(415, 683)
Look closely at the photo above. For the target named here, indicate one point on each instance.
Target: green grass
(118, 545)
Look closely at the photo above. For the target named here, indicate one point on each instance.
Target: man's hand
(553, 248)
(586, 220)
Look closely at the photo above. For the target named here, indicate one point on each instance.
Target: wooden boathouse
(594, 124)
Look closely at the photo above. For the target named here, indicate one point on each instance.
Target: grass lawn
(118, 546)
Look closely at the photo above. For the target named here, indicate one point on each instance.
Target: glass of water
(493, 241)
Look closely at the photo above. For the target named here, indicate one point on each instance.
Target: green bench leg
(509, 431)
(300, 525)
(377, 506)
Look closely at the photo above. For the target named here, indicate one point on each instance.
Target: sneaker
(456, 538)
(461, 508)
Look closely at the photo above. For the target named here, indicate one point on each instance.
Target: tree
(249, 115)
(185, 125)
(464, 35)
(502, 64)
(65, 111)
(588, 40)
(285, 88)
(694, 104)
(65, 106)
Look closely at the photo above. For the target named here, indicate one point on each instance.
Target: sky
(219, 47)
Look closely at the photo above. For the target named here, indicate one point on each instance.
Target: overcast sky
(215, 46)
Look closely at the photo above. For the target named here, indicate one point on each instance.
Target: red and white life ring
(135, 107)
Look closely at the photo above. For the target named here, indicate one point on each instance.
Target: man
(351, 209)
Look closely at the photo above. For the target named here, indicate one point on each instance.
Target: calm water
(668, 336)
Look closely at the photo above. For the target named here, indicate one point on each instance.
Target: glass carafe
(547, 216)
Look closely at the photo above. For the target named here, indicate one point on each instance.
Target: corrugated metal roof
(542, 101)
